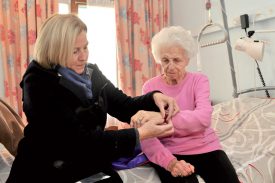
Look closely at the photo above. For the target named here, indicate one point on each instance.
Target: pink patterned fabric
(19, 23)
(137, 22)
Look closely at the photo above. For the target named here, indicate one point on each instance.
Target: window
(100, 21)
(63, 6)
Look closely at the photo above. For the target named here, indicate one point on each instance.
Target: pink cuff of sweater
(166, 162)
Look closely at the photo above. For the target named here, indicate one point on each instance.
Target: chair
(11, 127)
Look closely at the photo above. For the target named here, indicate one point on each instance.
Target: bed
(246, 128)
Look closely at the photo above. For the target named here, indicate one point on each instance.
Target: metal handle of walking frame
(216, 41)
(211, 43)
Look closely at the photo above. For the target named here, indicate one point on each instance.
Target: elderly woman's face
(80, 54)
(173, 61)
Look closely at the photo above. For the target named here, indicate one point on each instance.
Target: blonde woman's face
(173, 61)
(80, 54)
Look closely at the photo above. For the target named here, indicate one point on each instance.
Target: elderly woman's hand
(142, 117)
(167, 105)
(180, 168)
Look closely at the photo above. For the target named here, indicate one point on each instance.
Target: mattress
(246, 128)
(141, 174)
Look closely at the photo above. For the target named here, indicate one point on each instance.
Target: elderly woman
(194, 141)
(66, 102)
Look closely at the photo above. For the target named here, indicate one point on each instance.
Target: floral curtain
(137, 21)
(19, 22)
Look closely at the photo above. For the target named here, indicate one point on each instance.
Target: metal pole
(229, 50)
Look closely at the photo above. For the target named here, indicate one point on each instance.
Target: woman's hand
(155, 127)
(180, 168)
(142, 117)
(167, 105)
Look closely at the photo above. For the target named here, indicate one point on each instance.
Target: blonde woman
(66, 102)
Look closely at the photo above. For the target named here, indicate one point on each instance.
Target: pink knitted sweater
(193, 133)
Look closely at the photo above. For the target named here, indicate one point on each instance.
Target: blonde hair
(173, 36)
(56, 39)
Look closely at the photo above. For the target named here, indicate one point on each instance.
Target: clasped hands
(180, 168)
(151, 124)
(167, 106)
(156, 124)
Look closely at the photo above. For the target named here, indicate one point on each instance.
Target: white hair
(173, 36)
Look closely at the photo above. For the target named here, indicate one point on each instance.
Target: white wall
(192, 15)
